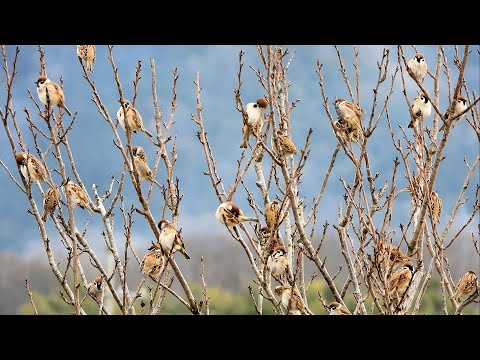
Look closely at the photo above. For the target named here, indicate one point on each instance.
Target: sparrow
(272, 214)
(418, 66)
(294, 307)
(435, 206)
(421, 107)
(86, 53)
(135, 122)
(254, 121)
(278, 262)
(459, 106)
(31, 168)
(467, 285)
(171, 239)
(392, 253)
(97, 288)
(401, 279)
(152, 262)
(267, 243)
(349, 113)
(143, 170)
(78, 197)
(336, 308)
(55, 93)
(287, 147)
(230, 214)
(50, 201)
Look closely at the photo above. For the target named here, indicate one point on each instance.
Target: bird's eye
(255, 105)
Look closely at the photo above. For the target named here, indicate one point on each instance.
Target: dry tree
(278, 232)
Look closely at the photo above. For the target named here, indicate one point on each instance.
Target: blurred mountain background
(227, 270)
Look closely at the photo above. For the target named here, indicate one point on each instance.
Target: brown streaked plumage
(50, 202)
(435, 206)
(31, 168)
(421, 107)
(296, 306)
(171, 239)
(349, 113)
(459, 106)
(272, 214)
(390, 252)
(336, 308)
(254, 122)
(134, 119)
(86, 53)
(267, 242)
(401, 279)
(287, 147)
(467, 285)
(77, 196)
(152, 263)
(230, 214)
(143, 170)
(278, 262)
(97, 288)
(56, 97)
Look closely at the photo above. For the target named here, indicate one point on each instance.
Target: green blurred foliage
(227, 302)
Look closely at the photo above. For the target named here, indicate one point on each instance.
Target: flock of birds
(348, 127)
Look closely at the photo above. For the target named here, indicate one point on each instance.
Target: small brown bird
(421, 107)
(77, 196)
(143, 170)
(231, 215)
(134, 119)
(349, 113)
(31, 168)
(50, 201)
(287, 147)
(86, 53)
(336, 308)
(294, 307)
(467, 285)
(254, 122)
(435, 206)
(278, 261)
(459, 106)
(272, 214)
(401, 279)
(171, 239)
(392, 253)
(267, 243)
(152, 263)
(56, 97)
(418, 66)
(97, 288)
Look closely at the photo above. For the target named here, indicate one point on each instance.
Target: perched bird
(278, 262)
(272, 214)
(294, 307)
(459, 106)
(336, 308)
(143, 170)
(401, 279)
(467, 285)
(230, 214)
(31, 168)
(77, 196)
(418, 66)
(254, 121)
(97, 288)
(134, 120)
(152, 263)
(392, 253)
(435, 206)
(350, 113)
(267, 243)
(170, 239)
(86, 53)
(50, 201)
(421, 107)
(56, 97)
(287, 147)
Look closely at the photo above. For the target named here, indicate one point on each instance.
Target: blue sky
(97, 158)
